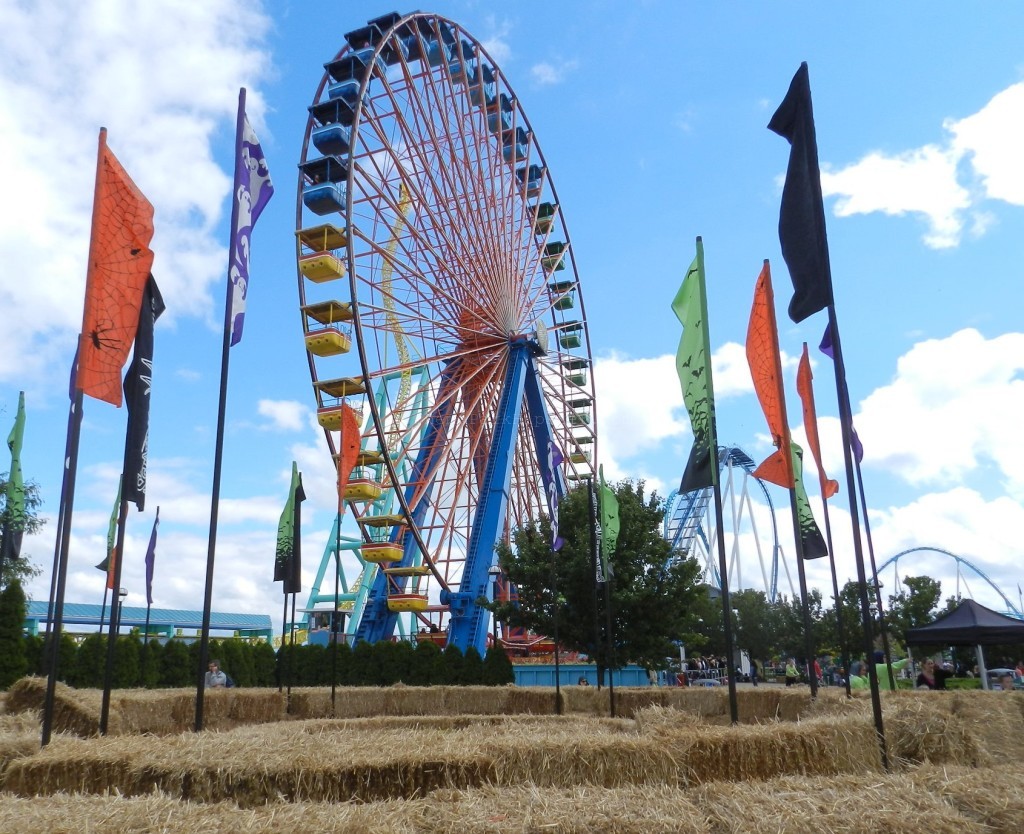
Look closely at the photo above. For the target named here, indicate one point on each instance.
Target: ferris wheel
(443, 316)
(749, 527)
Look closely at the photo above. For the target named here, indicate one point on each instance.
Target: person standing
(932, 676)
(792, 676)
(215, 678)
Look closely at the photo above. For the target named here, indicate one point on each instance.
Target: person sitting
(583, 681)
(215, 678)
(932, 676)
(1006, 682)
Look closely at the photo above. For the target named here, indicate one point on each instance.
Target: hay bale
(993, 796)
(846, 804)
(993, 720)
(629, 701)
(75, 711)
(532, 700)
(585, 700)
(922, 730)
(819, 746)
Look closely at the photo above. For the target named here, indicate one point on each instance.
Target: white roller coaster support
(734, 558)
(753, 527)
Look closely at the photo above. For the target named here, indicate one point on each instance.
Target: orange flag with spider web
(766, 372)
(120, 261)
(805, 389)
(348, 447)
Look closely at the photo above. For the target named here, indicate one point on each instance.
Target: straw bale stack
(75, 711)
(992, 796)
(20, 734)
(585, 700)
(847, 804)
(819, 746)
(922, 729)
(994, 721)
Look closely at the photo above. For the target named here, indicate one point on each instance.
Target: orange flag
(120, 261)
(348, 450)
(766, 371)
(806, 391)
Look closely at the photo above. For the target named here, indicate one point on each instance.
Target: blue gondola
(354, 65)
(532, 178)
(323, 190)
(482, 89)
(513, 149)
(333, 132)
(499, 117)
(459, 67)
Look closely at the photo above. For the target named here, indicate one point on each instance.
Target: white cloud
(992, 139)
(285, 415)
(954, 406)
(163, 78)
(547, 74)
(920, 181)
(945, 182)
(496, 44)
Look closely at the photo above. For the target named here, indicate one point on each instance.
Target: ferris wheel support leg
(468, 620)
(378, 622)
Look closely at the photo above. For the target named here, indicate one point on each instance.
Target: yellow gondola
(402, 603)
(378, 552)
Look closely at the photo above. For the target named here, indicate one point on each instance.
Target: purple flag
(549, 474)
(151, 558)
(826, 348)
(253, 190)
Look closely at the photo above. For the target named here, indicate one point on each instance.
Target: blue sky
(651, 116)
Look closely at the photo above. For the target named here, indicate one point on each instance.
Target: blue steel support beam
(468, 621)
(378, 623)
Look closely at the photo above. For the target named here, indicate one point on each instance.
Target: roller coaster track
(685, 513)
(893, 561)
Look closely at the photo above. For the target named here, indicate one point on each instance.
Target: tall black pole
(882, 629)
(291, 656)
(218, 455)
(723, 571)
(609, 636)
(284, 645)
(145, 645)
(844, 649)
(115, 618)
(846, 424)
(804, 602)
(67, 510)
(103, 609)
(554, 617)
(592, 523)
(335, 615)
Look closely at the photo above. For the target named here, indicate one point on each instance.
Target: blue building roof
(78, 613)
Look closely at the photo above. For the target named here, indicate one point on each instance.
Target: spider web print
(119, 264)
(766, 372)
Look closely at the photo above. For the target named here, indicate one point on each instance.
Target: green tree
(264, 662)
(91, 662)
(13, 658)
(913, 607)
(21, 568)
(175, 669)
(126, 670)
(427, 665)
(149, 663)
(454, 661)
(497, 668)
(652, 589)
(472, 668)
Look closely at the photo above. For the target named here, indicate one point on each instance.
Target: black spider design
(99, 341)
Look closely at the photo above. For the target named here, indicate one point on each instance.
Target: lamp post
(121, 594)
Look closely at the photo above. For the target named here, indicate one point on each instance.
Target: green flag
(110, 562)
(288, 564)
(693, 364)
(14, 512)
(609, 524)
(810, 536)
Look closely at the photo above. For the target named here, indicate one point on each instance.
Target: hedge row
(174, 663)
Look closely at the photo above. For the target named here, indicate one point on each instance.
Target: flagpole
(103, 609)
(284, 642)
(554, 614)
(592, 510)
(846, 424)
(723, 573)
(844, 650)
(337, 581)
(883, 630)
(609, 637)
(70, 476)
(204, 643)
(115, 617)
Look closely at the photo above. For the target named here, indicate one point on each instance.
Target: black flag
(802, 216)
(137, 385)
